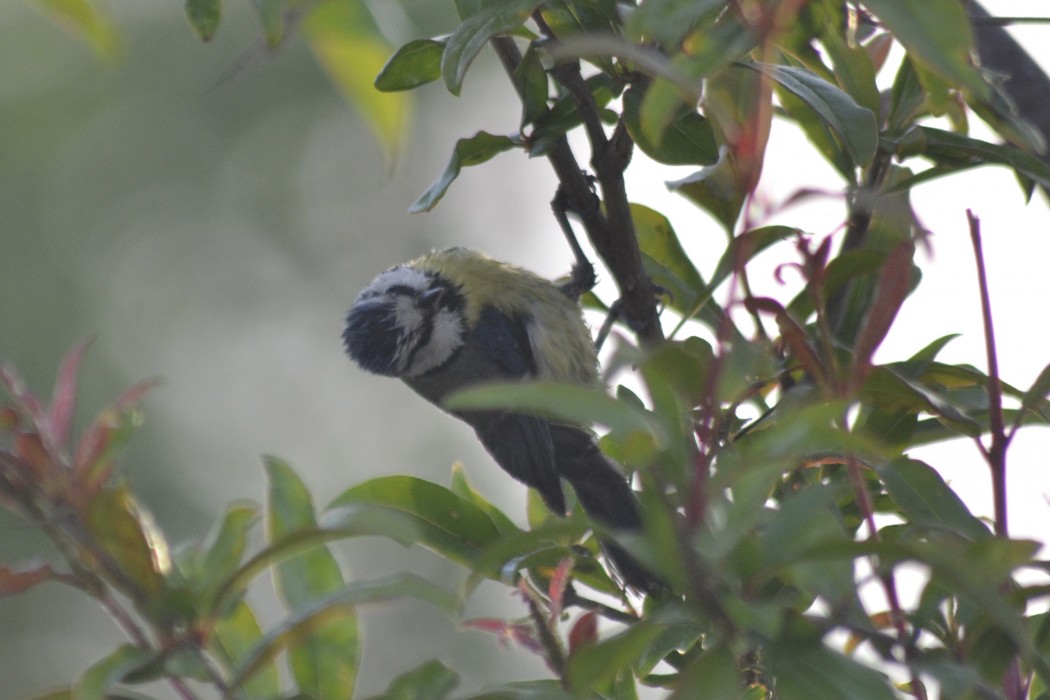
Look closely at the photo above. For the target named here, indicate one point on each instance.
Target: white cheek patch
(409, 319)
(446, 336)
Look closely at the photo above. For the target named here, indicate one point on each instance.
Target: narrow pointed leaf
(63, 399)
(855, 125)
(493, 19)
(431, 680)
(335, 607)
(927, 500)
(87, 20)
(414, 511)
(473, 151)
(204, 16)
(271, 16)
(324, 653)
(232, 639)
(98, 679)
(416, 63)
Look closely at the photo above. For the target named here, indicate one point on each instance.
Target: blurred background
(208, 221)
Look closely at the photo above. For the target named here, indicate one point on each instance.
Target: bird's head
(406, 323)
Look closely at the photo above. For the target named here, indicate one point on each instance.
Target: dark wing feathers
(498, 349)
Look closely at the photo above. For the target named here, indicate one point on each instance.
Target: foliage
(781, 501)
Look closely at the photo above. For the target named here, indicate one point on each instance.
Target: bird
(456, 318)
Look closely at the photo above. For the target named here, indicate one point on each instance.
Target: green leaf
(524, 690)
(937, 33)
(328, 612)
(233, 638)
(128, 535)
(494, 18)
(462, 487)
(856, 126)
(807, 670)
(687, 140)
(1034, 400)
(955, 152)
(204, 16)
(416, 63)
(344, 39)
(573, 404)
(97, 680)
(664, 258)
(531, 80)
(224, 547)
(716, 189)
(414, 511)
(713, 675)
(926, 500)
(431, 680)
(324, 657)
(87, 20)
(271, 16)
(473, 151)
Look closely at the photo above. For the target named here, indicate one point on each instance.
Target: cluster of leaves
(781, 502)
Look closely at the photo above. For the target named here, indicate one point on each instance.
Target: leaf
(224, 547)
(524, 690)
(895, 282)
(479, 148)
(63, 398)
(344, 39)
(855, 125)
(271, 16)
(87, 20)
(530, 78)
(330, 610)
(96, 450)
(416, 63)
(98, 679)
(462, 487)
(937, 33)
(14, 581)
(1034, 399)
(593, 665)
(412, 510)
(127, 535)
(927, 500)
(431, 680)
(494, 18)
(807, 670)
(232, 638)
(664, 258)
(713, 675)
(955, 152)
(204, 16)
(716, 189)
(584, 631)
(323, 660)
(573, 404)
(687, 140)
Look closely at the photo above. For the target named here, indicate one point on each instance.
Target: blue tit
(455, 318)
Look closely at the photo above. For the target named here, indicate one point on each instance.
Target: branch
(611, 233)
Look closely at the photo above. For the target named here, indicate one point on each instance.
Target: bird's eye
(431, 297)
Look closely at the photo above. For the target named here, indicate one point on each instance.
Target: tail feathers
(605, 495)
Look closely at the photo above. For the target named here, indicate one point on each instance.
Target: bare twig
(995, 453)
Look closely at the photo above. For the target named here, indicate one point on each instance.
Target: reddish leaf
(584, 632)
(517, 632)
(792, 333)
(8, 418)
(97, 447)
(63, 400)
(894, 283)
(25, 399)
(31, 451)
(13, 581)
(560, 580)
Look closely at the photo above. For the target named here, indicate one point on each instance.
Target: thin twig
(996, 451)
